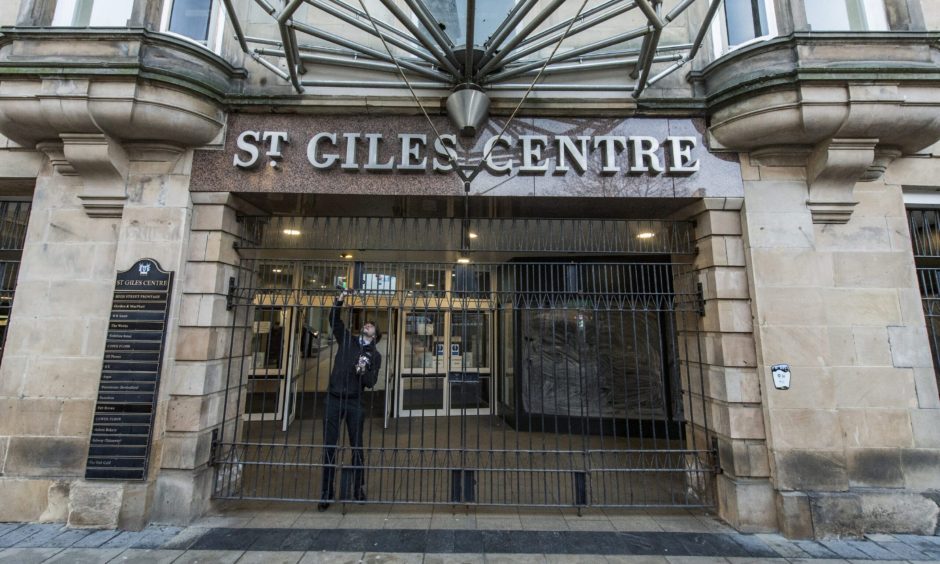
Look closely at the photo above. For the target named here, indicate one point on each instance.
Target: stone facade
(813, 267)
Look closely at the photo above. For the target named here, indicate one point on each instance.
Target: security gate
(14, 217)
(532, 380)
(924, 225)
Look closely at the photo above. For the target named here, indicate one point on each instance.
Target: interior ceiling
(512, 45)
(364, 205)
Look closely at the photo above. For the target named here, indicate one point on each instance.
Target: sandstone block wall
(840, 304)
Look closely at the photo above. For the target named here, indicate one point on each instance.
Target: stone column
(723, 352)
(110, 193)
(50, 373)
(198, 384)
(853, 442)
(52, 362)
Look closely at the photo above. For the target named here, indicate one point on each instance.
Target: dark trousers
(337, 409)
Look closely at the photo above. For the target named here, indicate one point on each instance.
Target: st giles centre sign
(656, 157)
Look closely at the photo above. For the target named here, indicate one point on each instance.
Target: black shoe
(323, 506)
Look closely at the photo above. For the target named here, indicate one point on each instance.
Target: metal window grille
(14, 218)
(925, 239)
(564, 382)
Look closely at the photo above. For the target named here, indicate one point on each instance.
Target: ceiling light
(645, 235)
(430, 285)
(276, 270)
(473, 235)
(463, 260)
(346, 256)
(292, 232)
(417, 283)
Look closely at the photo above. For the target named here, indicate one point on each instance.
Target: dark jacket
(344, 380)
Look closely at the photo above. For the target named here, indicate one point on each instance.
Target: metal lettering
(644, 151)
(411, 149)
(274, 139)
(351, 142)
(244, 144)
(444, 147)
(680, 150)
(532, 146)
(608, 145)
(314, 145)
(495, 168)
(579, 155)
(646, 154)
(374, 164)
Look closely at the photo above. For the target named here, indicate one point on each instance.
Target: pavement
(246, 533)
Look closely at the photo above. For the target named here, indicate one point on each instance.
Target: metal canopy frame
(427, 53)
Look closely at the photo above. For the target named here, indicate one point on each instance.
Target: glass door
(423, 372)
(446, 363)
(272, 379)
(468, 379)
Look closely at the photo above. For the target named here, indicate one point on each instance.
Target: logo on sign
(144, 268)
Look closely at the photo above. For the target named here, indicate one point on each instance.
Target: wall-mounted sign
(130, 374)
(396, 155)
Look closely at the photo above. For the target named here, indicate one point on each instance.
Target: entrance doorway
(508, 377)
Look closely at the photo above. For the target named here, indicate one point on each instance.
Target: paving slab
(904, 551)
(393, 558)
(96, 539)
(8, 527)
(68, 537)
(575, 559)
(27, 555)
(454, 559)
(269, 557)
(755, 546)
(84, 556)
(42, 537)
(514, 558)
(815, 550)
(928, 545)
(185, 538)
(21, 534)
(872, 550)
(147, 556)
(843, 548)
(328, 557)
(209, 557)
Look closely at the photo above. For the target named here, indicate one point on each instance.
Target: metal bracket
(230, 297)
(701, 299)
(716, 456)
(214, 447)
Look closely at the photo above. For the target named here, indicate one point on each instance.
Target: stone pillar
(724, 354)
(109, 194)
(854, 441)
(50, 373)
(198, 383)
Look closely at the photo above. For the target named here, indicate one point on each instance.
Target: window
(846, 15)
(96, 13)
(198, 20)
(452, 15)
(191, 18)
(745, 20)
(742, 22)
